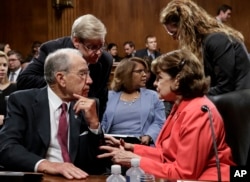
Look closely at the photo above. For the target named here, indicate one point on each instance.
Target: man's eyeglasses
(140, 71)
(13, 60)
(93, 48)
(82, 73)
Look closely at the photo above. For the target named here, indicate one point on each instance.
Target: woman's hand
(112, 141)
(118, 155)
(145, 140)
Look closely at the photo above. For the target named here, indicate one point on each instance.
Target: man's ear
(60, 77)
(75, 42)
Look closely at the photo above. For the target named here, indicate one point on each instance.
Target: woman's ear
(177, 81)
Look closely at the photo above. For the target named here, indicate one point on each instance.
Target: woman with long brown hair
(220, 47)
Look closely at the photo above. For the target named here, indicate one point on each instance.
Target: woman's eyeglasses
(140, 71)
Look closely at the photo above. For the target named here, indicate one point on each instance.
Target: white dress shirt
(54, 153)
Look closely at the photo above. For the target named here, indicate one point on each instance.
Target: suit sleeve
(220, 56)
(13, 153)
(87, 155)
(33, 75)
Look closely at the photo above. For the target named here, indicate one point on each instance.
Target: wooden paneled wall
(23, 21)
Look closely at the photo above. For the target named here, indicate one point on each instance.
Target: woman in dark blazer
(218, 46)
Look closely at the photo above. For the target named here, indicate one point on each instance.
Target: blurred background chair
(234, 108)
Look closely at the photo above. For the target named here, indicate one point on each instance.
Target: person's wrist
(129, 146)
(94, 125)
(43, 166)
(150, 138)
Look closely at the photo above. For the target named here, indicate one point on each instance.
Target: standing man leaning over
(30, 139)
(88, 36)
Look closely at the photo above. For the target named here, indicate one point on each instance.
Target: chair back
(234, 108)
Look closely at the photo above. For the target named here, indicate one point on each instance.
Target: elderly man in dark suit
(88, 36)
(54, 129)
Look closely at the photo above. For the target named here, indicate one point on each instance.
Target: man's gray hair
(58, 61)
(88, 27)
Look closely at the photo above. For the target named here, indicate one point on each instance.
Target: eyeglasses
(140, 71)
(82, 73)
(94, 48)
(13, 60)
(171, 33)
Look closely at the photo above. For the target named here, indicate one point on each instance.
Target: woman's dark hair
(123, 73)
(185, 65)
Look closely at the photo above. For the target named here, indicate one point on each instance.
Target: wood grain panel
(23, 21)
(130, 20)
(60, 20)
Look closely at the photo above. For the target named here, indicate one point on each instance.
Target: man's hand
(68, 170)
(88, 106)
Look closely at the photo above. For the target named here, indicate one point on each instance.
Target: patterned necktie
(62, 134)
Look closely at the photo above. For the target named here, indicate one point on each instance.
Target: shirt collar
(55, 101)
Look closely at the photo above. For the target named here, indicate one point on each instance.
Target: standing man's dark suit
(30, 114)
(33, 75)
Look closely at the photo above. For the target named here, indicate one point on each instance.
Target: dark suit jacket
(33, 75)
(25, 136)
(17, 75)
(227, 63)
(142, 53)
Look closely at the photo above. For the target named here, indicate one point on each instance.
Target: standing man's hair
(88, 27)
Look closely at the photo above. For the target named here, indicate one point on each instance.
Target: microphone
(205, 108)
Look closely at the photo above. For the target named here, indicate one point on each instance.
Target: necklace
(127, 99)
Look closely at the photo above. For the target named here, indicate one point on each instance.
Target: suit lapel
(75, 128)
(41, 114)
